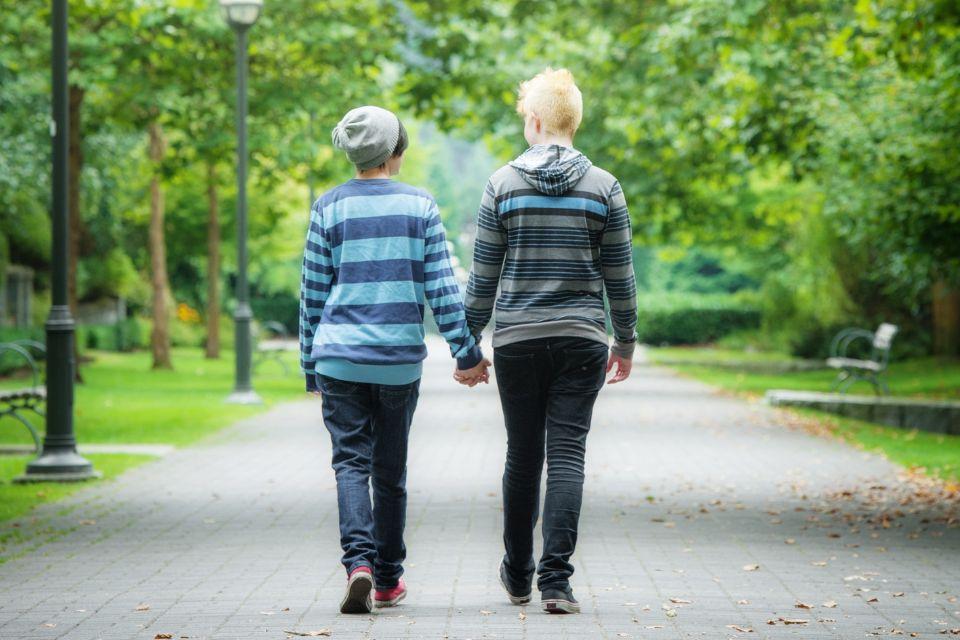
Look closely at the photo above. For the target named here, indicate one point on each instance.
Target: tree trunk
(946, 319)
(160, 336)
(213, 264)
(75, 221)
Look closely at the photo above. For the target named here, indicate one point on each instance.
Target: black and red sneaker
(359, 586)
(390, 597)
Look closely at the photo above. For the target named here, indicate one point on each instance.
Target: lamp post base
(59, 466)
(244, 397)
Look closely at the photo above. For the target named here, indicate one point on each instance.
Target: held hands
(624, 365)
(474, 376)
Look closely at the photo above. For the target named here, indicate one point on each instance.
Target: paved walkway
(705, 516)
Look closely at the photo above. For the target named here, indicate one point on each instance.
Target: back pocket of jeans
(396, 396)
(515, 373)
(334, 387)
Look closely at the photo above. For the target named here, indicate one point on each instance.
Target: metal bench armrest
(841, 342)
(22, 348)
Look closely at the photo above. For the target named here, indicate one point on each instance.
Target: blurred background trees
(791, 167)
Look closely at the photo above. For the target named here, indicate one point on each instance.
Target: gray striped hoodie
(553, 233)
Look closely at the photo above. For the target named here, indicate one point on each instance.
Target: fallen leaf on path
(680, 601)
(485, 612)
(163, 636)
(142, 607)
(803, 605)
(787, 621)
(737, 627)
(830, 604)
(874, 599)
(522, 616)
(743, 602)
(751, 567)
(790, 541)
(898, 594)
(310, 634)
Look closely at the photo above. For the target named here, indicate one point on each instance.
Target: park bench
(871, 367)
(272, 341)
(15, 402)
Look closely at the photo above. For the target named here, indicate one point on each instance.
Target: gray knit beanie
(368, 135)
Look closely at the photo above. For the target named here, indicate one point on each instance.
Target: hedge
(676, 319)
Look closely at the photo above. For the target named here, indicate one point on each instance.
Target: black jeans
(547, 388)
(369, 425)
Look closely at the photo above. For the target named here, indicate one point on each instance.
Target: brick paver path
(691, 495)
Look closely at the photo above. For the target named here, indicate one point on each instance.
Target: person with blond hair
(553, 233)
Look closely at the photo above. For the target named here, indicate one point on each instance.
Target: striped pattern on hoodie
(375, 252)
(553, 233)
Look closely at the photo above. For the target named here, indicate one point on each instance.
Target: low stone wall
(937, 416)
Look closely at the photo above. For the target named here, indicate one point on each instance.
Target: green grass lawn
(123, 401)
(922, 377)
(18, 499)
(715, 354)
(937, 454)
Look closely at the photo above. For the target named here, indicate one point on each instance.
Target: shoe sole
(560, 606)
(517, 600)
(381, 604)
(357, 599)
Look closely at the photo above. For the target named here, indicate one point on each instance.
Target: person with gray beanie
(376, 253)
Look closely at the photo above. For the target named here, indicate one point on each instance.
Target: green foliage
(691, 318)
(128, 335)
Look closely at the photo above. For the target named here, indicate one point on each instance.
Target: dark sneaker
(517, 596)
(390, 597)
(359, 586)
(559, 601)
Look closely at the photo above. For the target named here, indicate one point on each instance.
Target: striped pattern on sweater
(375, 252)
(553, 257)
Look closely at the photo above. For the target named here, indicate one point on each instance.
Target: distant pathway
(691, 495)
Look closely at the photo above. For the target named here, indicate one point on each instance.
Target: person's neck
(563, 141)
(373, 174)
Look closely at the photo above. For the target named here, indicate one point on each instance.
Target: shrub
(684, 318)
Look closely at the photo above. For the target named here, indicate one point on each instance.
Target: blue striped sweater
(375, 252)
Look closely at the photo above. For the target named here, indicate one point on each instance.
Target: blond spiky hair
(553, 97)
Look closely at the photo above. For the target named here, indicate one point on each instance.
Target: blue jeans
(369, 425)
(548, 387)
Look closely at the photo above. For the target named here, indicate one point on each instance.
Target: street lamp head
(241, 14)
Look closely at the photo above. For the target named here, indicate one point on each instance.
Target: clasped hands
(473, 376)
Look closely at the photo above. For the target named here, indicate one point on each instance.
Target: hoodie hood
(551, 169)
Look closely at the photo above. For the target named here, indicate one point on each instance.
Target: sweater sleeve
(443, 293)
(616, 260)
(489, 250)
(315, 282)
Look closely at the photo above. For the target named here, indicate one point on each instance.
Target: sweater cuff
(473, 358)
(623, 349)
(312, 383)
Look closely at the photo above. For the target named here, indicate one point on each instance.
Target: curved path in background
(719, 504)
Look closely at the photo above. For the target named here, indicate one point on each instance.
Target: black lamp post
(59, 460)
(240, 15)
